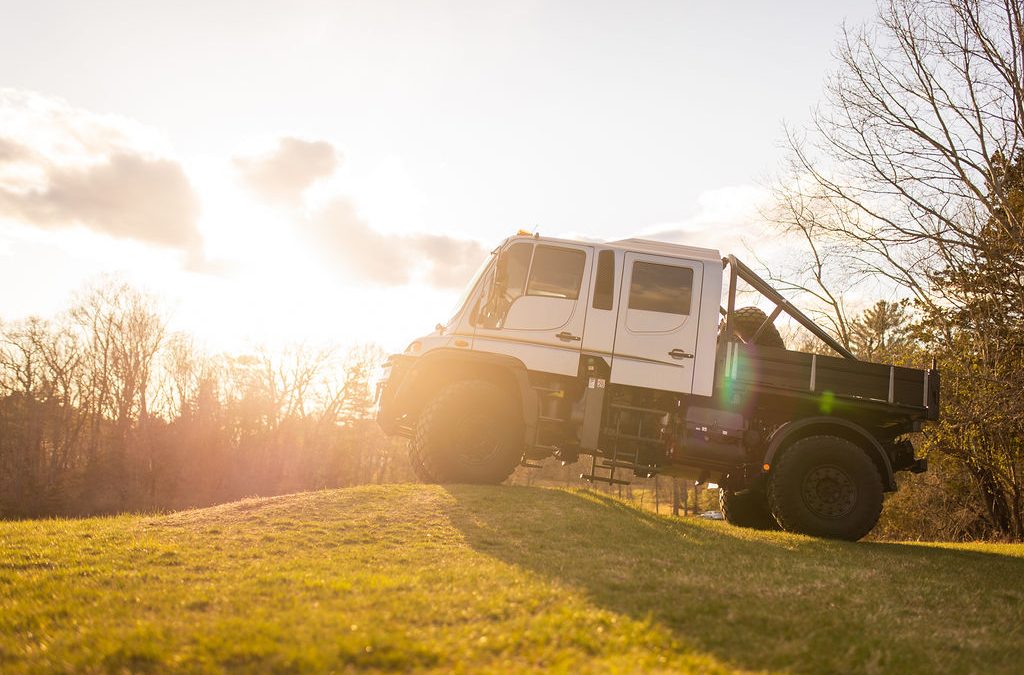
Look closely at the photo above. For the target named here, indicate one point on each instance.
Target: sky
(325, 171)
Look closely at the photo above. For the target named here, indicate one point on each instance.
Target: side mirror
(501, 270)
(476, 316)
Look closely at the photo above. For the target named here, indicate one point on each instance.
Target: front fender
(426, 374)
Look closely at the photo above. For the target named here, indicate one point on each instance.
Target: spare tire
(746, 321)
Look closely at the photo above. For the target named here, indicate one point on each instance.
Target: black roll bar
(738, 269)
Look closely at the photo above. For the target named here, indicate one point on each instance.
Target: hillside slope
(477, 578)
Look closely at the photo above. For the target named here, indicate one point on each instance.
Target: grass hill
(490, 578)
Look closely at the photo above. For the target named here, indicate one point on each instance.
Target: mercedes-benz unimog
(634, 353)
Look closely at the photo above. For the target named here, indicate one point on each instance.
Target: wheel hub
(829, 492)
(476, 440)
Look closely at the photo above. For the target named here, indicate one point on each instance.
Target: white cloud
(284, 173)
(346, 240)
(727, 219)
(350, 234)
(62, 166)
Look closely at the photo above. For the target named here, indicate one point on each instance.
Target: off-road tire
(470, 432)
(749, 509)
(826, 486)
(746, 321)
(417, 464)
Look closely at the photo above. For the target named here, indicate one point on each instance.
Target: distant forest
(908, 185)
(103, 411)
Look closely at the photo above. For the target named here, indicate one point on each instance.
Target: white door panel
(543, 325)
(545, 358)
(602, 310)
(656, 330)
(531, 312)
(641, 322)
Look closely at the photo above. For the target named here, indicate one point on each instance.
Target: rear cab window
(661, 288)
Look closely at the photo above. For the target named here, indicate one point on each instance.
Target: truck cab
(638, 304)
(634, 353)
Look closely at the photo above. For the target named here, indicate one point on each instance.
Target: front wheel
(470, 432)
(826, 486)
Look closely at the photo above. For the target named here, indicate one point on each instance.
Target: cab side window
(604, 288)
(526, 269)
(517, 266)
(507, 283)
(661, 288)
(556, 272)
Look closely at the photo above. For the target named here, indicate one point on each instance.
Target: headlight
(381, 375)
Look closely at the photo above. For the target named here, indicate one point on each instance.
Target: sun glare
(458, 336)
(273, 286)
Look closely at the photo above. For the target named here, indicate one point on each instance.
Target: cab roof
(640, 246)
(667, 249)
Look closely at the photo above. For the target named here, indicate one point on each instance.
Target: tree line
(909, 183)
(102, 410)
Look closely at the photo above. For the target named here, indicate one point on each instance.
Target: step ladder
(544, 423)
(603, 468)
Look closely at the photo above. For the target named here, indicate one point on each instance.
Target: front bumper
(385, 386)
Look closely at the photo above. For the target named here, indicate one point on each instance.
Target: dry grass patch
(472, 578)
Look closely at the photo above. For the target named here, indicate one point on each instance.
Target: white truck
(634, 352)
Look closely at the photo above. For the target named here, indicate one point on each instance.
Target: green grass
(474, 579)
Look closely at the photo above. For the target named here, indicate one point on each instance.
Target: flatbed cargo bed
(770, 370)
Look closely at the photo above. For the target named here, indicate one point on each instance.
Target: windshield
(470, 286)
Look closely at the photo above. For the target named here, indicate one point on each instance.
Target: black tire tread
(417, 464)
(746, 321)
(783, 489)
(425, 459)
(749, 509)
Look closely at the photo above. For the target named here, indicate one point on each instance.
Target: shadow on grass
(760, 600)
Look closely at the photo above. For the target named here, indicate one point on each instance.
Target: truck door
(656, 328)
(536, 307)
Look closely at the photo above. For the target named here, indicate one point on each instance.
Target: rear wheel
(826, 486)
(470, 433)
(747, 509)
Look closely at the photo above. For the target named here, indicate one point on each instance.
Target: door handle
(568, 337)
(680, 354)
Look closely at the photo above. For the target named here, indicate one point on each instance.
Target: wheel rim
(829, 492)
(476, 439)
